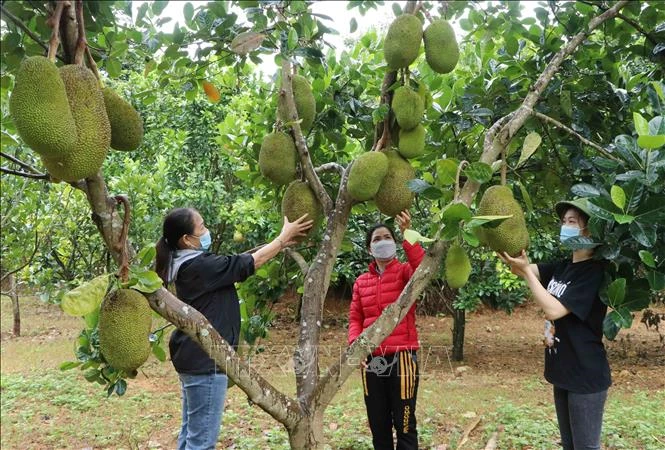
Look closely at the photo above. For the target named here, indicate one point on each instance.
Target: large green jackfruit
(300, 199)
(394, 195)
(457, 267)
(412, 142)
(125, 319)
(40, 110)
(305, 103)
(93, 129)
(441, 50)
(402, 43)
(366, 175)
(408, 107)
(278, 157)
(511, 235)
(126, 123)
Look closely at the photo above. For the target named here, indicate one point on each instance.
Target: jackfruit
(93, 130)
(408, 107)
(441, 50)
(40, 110)
(394, 195)
(366, 175)
(402, 43)
(299, 199)
(278, 157)
(457, 267)
(305, 103)
(126, 123)
(511, 235)
(412, 142)
(125, 319)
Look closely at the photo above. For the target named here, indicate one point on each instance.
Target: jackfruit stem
(121, 246)
(81, 43)
(54, 23)
(504, 166)
(93, 66)
(460, 167)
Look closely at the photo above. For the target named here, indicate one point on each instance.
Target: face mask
(568, 232)
(205, 241)
(384, 249)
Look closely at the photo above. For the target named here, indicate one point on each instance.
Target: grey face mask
(384, 249)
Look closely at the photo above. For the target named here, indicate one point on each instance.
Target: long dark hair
(177, 223)
(370, 232)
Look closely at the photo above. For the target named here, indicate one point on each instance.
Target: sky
(334, 9)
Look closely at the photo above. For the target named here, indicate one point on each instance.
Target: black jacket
(206, 282)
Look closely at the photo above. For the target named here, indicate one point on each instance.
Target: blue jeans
(580, 418)
(202, 408)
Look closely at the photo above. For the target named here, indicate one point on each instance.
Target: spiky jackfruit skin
(412, 142)
(40, 110)
(402, 43)
(305, 103)
(278, 157)
(394, 195)
(441, 50)
(93, 130)
(126, 123)
(125, 319)
(366, 175)
(511, 235)
(408, 107)
(299, 199)
(457, 267)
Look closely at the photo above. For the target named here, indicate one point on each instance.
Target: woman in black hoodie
(206, 281)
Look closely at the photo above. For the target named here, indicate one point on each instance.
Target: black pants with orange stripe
(390, 383)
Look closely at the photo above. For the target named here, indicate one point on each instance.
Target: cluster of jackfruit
(125, 319)
(278, 158)
(367, 173)
(63, 115)
(305, 103)
(299, 199)
(511, 235)
(457, 267)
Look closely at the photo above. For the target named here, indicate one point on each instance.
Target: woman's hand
(292, 230)
(403, 219)
(519, 265)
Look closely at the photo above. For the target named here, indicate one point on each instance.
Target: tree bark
(308, 433)
(16, 330)
(459, 323)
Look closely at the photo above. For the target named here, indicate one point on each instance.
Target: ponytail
(177, 223)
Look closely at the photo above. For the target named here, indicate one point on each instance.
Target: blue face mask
(205, 241)
(568, 232)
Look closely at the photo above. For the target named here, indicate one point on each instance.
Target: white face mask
(383, 249)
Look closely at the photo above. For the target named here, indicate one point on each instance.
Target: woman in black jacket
(206, 282)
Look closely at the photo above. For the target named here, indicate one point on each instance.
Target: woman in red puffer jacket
(390, 374)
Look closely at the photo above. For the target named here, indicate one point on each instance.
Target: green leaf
(641, 124)
(446, 171)
(113, 67)
(656, 280)
(158, 6)
(454, 212)
(91, 375)
(159, 352)
(657, 126)
(85, 298)
(525, 196)
(423, 188)
(91, 319)
(611, 326)
(69, 365)
(618, 196)
(188, 11)
(249, 41)
(397, 10)
(647, 258)
(616, 292)
(147, 281)
(479, 172)
(147, 255)
(566, 104)
(412, 236)
(353, 25)
(292, 41)
(638, 295)
(531, 143)
(490, 221)
(651, 142)
(121, 387)
(623, 218)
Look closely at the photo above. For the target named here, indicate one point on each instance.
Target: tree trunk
(459, 321)
(15, 306)
(308, 432)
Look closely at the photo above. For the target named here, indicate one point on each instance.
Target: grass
(44, 408)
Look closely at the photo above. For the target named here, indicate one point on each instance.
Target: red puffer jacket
(373, 292)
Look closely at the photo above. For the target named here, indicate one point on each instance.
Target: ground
(497, 388)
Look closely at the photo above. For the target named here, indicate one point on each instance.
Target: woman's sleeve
(414, 256)
(223, 271)
(356, 317)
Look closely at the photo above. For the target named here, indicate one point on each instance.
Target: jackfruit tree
(331, 110)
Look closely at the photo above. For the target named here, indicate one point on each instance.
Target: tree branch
(16, 21)
(298, 258)
(568, 130)
(24, 165)
(301, 144)
(54, 22)
(18, 173)
(330, 167)
(628, 20)
(82, 42)
(500, 135)
(28, 261)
